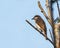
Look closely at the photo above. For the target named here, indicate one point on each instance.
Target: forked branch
(42, 10)
(44, 13)
(58, 7)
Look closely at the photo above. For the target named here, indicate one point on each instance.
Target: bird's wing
(42, 25)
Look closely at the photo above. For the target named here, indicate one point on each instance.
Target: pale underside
(39, 28)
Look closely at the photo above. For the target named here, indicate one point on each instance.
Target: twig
(42, 10)
(40, 32)
(52, 22)
(56, 20)
(44, 13)
(58, 7)
(49, 11)
(51, 35)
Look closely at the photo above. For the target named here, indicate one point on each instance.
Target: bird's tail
(45, 33)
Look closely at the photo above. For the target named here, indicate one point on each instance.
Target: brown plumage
(40, 24)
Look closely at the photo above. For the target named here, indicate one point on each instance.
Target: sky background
(14, 31)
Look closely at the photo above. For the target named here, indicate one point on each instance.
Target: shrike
(40, 24)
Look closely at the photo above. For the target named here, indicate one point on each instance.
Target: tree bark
(57, 32)
(55, 27)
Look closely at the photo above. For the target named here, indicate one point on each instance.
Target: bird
(40, 24)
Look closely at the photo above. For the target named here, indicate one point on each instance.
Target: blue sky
(14, 31)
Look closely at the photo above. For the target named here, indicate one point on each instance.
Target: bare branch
(57, 35)
(56, 20)
(49, 11)
(44, 13)
(42, 10)
(58, 7)
(40, 32)
(51, 35)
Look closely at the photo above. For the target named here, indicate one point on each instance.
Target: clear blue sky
(14, 31)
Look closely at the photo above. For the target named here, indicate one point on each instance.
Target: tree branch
(40, 32)
(58, 7)
(44, 13)
(52, 22)
(49, 11)
(51, 35)
(42, 10)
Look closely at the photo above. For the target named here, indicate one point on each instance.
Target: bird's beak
(32, 18)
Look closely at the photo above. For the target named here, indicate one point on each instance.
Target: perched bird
(40, 24)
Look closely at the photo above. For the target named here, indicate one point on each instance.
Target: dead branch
(42, 10)
(52, 22)
(49, 11)
(57, 29)
(58, 7)
(39, 32)
(44, 13)
(51, 35)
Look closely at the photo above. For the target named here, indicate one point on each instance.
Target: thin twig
(40, 32)
(51, 35)
(58, 7)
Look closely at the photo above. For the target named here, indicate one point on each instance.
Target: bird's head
(35, 17)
